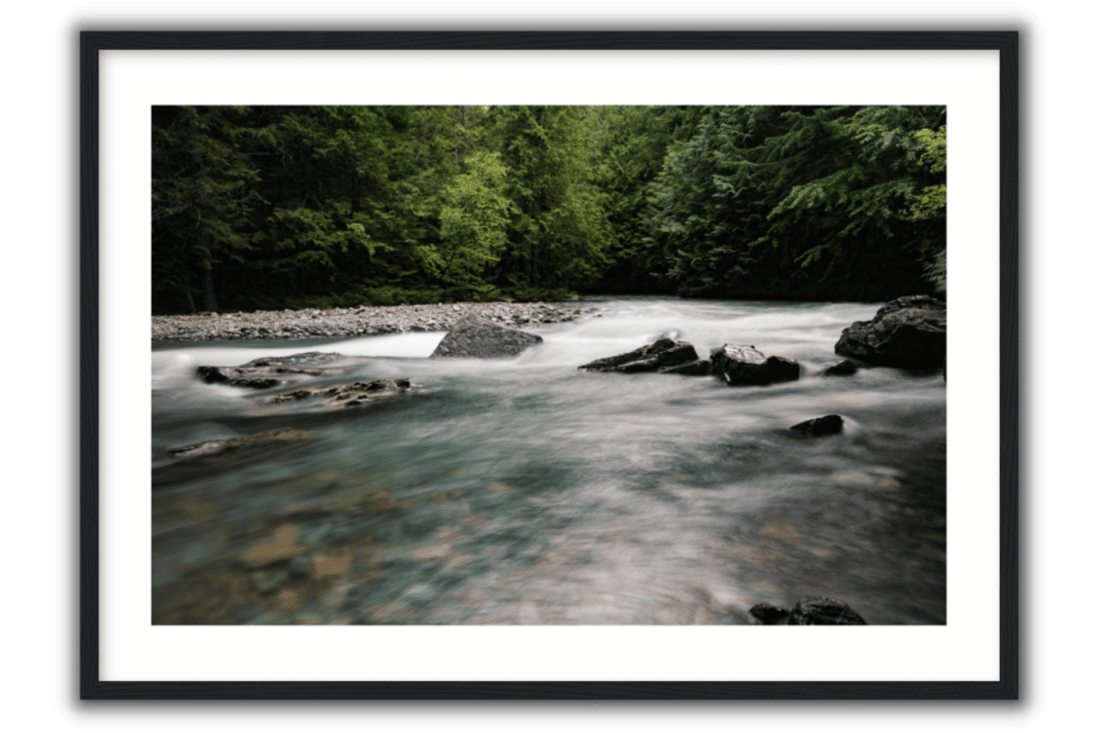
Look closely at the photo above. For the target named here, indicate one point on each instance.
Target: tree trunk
(209, 302)
(187, 288)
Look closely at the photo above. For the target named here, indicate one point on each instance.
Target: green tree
(558, 228)
(929, 206)
(796, 203)
(474, 217)
(629, 147)
(202, 186)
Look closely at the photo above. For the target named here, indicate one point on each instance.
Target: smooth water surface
(523, 491)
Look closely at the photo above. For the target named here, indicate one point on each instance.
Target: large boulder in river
(663, 355)
(475, 337)
(907, 332)
(809, 612)
(744, 365)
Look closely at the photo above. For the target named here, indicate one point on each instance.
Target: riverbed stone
(475, 337)
(907, 332)
(280, 548)
(742, 365)
(355, 321)
(300, 567)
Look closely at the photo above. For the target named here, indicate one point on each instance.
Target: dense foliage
(271, 207)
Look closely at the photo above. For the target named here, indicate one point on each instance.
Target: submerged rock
(663, 355)
(740, 365)
(270, 439)
(213, 457)
(354, 394)
(826, 425)
(812, 611)
(475, 337)
(906, 332)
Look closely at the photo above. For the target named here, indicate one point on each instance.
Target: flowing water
(523, 491)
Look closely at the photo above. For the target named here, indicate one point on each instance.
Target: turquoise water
(524, 491)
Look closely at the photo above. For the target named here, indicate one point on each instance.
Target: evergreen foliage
(271, 207)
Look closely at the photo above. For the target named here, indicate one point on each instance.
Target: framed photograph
(520, 365)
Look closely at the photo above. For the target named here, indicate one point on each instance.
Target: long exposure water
(524, 491)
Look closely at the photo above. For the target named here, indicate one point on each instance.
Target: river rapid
(524, 491)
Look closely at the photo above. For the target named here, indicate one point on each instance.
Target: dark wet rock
(824, 612)
(267, 440)
(814, 611)
(769, 615)
(906, 332)
(843, 369)
(662, 355)
(740, 365)
(261, 377)
(697, 368)
(475, 337)
(354, 394)
(827, 425)
(272, 371)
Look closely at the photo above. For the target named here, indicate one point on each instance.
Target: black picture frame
(1004, 42)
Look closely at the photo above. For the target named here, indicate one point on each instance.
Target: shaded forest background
(290, 207)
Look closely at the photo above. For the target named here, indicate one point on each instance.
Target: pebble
(361, 321)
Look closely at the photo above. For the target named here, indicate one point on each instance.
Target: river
(523, 491)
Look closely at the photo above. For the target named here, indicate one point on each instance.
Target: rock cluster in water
(362, 321)
(663, 355)
(734, 365)
(355, 394)
(274, 371)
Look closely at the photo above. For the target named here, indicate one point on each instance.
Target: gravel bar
(313, 323)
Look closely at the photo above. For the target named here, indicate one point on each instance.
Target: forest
(269, 207)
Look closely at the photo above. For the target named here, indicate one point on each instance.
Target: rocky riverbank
(313, 323)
